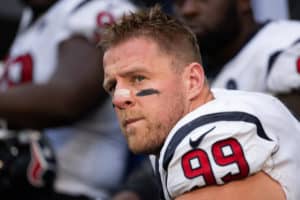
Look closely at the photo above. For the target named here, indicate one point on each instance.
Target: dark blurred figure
(7, 34)
(52, 83)
(165, 4)
(294, 9)
(140, 185)
(10, 14)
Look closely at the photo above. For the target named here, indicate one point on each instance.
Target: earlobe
(195, 79)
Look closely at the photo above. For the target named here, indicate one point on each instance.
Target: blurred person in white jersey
(51, 83)
(236, 48)
(203, 143)
(283, 77)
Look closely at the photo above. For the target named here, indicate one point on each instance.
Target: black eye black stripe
(147, 92)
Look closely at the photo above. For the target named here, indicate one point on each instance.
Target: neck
(205, 96)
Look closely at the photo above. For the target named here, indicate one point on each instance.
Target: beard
(146, 141)
(150, 135)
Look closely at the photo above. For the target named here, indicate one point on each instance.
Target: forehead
(131, 54)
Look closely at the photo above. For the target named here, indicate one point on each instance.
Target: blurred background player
(236, 48)
(51, 82)
(283, 77)
(234, 45)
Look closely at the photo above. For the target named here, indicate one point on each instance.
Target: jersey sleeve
(217, 153)
(90, 19)
(284, 70)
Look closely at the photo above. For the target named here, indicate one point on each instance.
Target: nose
(122, 99)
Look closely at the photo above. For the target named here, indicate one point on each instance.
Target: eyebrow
(132, 70)
(124, 72)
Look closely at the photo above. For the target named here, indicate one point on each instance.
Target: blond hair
(171, 35)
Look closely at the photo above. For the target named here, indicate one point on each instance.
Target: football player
(201, 141)
(51, 82)
(235, 47)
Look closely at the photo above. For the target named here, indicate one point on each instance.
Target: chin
(145, 149)
(137, 148)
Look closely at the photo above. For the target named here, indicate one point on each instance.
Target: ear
(194, 79)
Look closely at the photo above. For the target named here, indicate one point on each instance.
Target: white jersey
(231, 137)
(87, 150)
(284, 70)
(248, 69)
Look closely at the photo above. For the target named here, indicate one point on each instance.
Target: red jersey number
(19, 70)
(224, 152)
(103, 19)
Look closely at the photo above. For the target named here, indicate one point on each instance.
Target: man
(236, 49)
(198, 138)
(51, 83)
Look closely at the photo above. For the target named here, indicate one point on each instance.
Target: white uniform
(248, 69)
(284, 70)
(87, 150)
(232, 137)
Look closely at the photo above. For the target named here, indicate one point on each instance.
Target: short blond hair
(171, 35)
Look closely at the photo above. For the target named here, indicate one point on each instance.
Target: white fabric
(284, 75)
(248, 69)
(233, 129)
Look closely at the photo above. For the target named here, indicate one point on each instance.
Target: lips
(131, 121)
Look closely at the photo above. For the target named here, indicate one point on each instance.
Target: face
(147, 94)
(215, 22)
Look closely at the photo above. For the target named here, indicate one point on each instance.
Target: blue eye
(138, 78)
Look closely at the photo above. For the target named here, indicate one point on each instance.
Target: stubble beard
(147, 141)
(152, 138)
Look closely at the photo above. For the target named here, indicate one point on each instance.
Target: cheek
(119, 116)
(168, 108)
